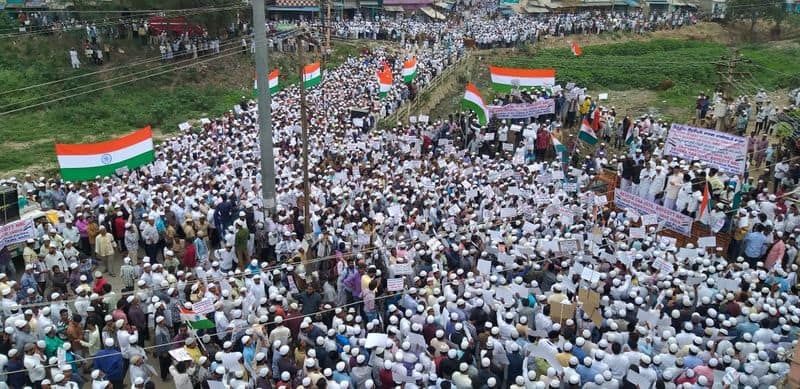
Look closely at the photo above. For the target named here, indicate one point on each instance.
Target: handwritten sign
(673, 220)
(402, 269)
(203, 306)
(180, 354)
(726, 152)
(394, 284)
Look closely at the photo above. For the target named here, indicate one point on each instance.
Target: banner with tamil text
(726, 152)
(673, 220)
(523, 110)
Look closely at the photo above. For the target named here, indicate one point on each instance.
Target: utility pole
(726, 69)
(264, 108)
(301, 37)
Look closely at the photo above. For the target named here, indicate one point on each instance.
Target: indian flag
(311, 75)
(473, 100)
(273, 83)
(384, 81)
(195, 320)
(410, 70)
(557, 145)
(587, 133)
(629, 138)
(506, 79)
(85, 161)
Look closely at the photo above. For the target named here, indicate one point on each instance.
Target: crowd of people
(511, 30)
(433, 256)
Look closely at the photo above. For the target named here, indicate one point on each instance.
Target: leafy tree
(753, 10)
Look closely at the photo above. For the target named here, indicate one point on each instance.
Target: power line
(216, 57)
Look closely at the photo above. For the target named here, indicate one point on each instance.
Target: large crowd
(435, 256)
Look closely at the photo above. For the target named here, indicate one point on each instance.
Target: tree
(753, 10)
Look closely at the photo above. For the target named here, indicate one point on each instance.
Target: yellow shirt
(194, 352)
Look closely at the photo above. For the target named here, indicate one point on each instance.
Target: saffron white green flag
(273, 83)
(587, 133)
(473, 100)
(410, 70)
(86, 161)
(312, 75)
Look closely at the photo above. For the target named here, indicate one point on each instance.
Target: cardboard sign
(394, 284)
(562, 311)
(180, 354)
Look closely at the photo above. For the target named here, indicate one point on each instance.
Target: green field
(161, 101)
(677, 69)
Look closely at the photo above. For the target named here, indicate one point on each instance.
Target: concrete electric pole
(264, 109)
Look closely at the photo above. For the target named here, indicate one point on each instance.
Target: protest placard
(180, 354)
(562, 311)
(402, 269)
(484, 266)
(16, 232)
(724, 151)
(394, 284)
(649, 219)
(522, 110)
(203, 306)
(707, 241)
(647, 317)
(375, 339)
(673, 220)
(568, 245)
(637, 232)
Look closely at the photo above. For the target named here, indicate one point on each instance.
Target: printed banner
(726, 152)
(673, 220)
(523, 110)
(16, 232)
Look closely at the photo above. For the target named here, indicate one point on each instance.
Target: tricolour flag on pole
(587, 133)
(384, 81)
(273, 83)
(557, 144)
(629, 137)
(506, 79)
(311, 75)
(576, 49)
(705, 205)
(473, 100)
(195, 320)
(410, 70)
(85, 161)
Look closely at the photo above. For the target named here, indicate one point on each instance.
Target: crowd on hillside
(436, 257)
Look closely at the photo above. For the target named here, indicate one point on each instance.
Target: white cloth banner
(16, 232)
(523, 110)
(724, 151)
(673, 220)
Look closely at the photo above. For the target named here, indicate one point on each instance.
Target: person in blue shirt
(586, 371)
(248, 350)
(109, 361)
(19, 377)
(755, 245)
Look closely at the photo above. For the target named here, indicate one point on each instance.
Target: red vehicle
(177, 25)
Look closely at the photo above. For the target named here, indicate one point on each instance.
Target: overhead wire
(194, 63)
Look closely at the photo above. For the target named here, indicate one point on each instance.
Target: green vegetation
(677, 70)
